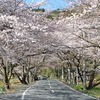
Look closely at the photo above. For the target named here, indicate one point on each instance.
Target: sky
(52, 4)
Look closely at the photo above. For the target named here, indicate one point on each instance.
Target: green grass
(1, 86)
(12, 82)
(94, 92)
(77, 87)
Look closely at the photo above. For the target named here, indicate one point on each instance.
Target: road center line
(53, 91)
(50, 87)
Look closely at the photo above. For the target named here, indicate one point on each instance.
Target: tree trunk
(84, 74)
(28, 77)
(90, 85)
(80, 75)
(76, 78)
(69, 76)
(23, 79)
(6, 79)
(62, 73)
(92, 76)
(31, 76)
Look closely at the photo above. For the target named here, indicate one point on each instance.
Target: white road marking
(25, 93)
(50, 87)
(53, 91)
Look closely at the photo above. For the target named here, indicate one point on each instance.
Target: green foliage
(56, 12)
(46, 71)
(77, 87)
(73, 11)
(39, 10)
(49, 17)
(1, 84)
(67, 13)
(95, 92)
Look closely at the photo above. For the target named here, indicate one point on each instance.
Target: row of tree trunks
(7, 73)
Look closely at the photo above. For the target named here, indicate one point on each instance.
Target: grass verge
(15, 86)
(94, 92)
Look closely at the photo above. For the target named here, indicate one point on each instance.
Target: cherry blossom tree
(20, 29)
(26, 36)
(81, 32)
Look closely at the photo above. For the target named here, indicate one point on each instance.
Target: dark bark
(6, 78)
(32, 75)
(12, 67)
(28, 79)
(96, 84)
(23, 79)
(75, 80)
(78, 65)
(80, 75)
(92, 76)
(90, 85)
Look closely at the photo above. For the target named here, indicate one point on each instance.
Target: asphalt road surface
(46, 90)
(52, 90)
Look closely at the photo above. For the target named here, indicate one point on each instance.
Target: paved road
(52, 90)
(46, 90)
